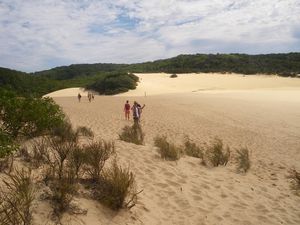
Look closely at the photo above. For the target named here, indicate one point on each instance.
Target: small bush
(243, 160)
(40, 151)
(217, 154)
(294, 175)
(65, 132)
(115, 187)
(77, 160)
(173, 75)
(133, 134)
(96, 155)
(16, 201)
(191, 149)
(63, 190)
(167, 150)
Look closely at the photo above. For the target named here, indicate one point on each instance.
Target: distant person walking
(79, 97)
(89, 96)
(127, 110)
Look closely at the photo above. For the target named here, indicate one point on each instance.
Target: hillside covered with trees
(115, 78)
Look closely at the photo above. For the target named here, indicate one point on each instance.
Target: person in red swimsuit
(127, 110)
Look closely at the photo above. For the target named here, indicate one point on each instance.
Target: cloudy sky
(41, 34)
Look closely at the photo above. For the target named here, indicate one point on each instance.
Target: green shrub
(114, 83)
(217, 154)
(133, 134)
(191, 149)
(7, 145)
(167, 150)
(97, 154)
(16, 201)
(28, 117)
(243, 160)
(115, 187)
(173, 75)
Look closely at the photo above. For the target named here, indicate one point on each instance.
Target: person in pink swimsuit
(127, 110)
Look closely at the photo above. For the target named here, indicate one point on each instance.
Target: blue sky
(41, 34)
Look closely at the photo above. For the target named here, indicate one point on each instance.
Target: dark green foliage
(217, 154)
(191, 149)
(28, 117)
(282, 64)
(243, 160)
(7, 145)
(168, 151)
(116, 185)
(79, 70)
(16, 201)
(114, 83)
(112, 78)
(133, 134)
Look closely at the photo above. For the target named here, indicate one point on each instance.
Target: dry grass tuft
(294, 175)
(63, 190)
(217, 154)
(133, 134)
(97, 154)
(116, 188)
(16, 201)
(191, 149)
(243, 159)
(168, 151)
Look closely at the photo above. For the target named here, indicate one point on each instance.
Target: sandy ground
(260, 112)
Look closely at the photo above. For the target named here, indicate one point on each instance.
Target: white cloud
(36, 35)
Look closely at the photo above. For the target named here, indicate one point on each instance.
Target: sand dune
(259, 112)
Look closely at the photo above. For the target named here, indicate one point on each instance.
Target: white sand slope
(155, 84)
(259, 112)
(68, 92)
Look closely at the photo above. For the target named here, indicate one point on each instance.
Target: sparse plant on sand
(116, 188)
(168, 151)
(97, 154)
(133, 134)
(174, 75)
(217, 154)
(192, 149)
(243, 160)
(77, 160)
(294, 175)
(63, 190)
(16, 201)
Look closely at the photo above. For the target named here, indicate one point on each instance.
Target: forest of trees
(113, 78)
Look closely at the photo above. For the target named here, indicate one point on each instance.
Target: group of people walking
(89, 95)
(136, 111)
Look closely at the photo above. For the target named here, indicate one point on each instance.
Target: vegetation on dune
(17, 199)
(113, 78)
(167, 150)
(294, 176)
(114, 83)
(133, 134)
(217, 154)
(243, 159)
